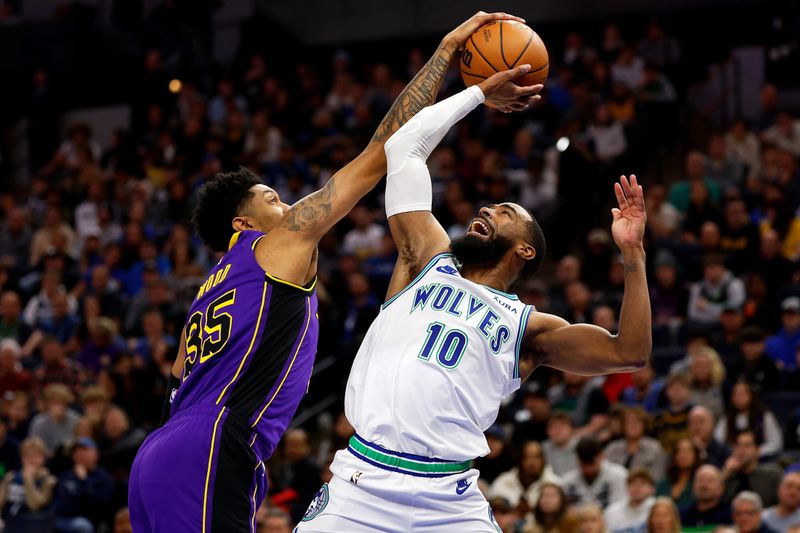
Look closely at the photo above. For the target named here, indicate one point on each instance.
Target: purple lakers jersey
(250, 346)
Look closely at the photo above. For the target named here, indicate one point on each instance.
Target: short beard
(473, 251)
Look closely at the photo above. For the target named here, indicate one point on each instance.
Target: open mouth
(480, 227)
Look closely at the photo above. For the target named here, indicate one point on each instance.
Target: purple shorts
(197, 473)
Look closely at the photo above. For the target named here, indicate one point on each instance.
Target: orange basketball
(501, 45)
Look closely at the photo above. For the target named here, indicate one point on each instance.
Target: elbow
(635, 356)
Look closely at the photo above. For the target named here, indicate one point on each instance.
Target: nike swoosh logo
(461, 489)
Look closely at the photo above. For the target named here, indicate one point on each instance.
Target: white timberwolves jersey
(434, 366)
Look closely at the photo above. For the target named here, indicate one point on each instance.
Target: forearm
(408, 184)
(635, 330)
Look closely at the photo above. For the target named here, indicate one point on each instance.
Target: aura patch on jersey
(474, 311)
(318, 504)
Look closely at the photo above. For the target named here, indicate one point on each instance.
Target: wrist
(450, 43)
(632, 250)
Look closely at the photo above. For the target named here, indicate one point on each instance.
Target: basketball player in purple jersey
(248, 346)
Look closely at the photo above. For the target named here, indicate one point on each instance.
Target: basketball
(502, 45)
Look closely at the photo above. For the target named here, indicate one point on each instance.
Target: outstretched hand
(503, 94)
(462, 33)
(631, 217)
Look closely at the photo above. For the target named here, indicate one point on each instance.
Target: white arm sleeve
(408, 181)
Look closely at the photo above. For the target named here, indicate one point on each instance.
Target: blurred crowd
(98, 266)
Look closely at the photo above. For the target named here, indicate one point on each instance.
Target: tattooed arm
(590, 350)
(287, 251)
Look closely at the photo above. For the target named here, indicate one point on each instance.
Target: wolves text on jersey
(472, 309)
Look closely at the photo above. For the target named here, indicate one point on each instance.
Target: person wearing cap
(782, 346)
(754, 366)
(499, 459)
(630, 515)
(83, 491)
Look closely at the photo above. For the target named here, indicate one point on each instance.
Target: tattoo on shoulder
(310, 211)
(631, 267)
(419, 93)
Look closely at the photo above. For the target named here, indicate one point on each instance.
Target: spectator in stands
(726, 340)
(119, 444)
(721, 167)
(706, 375)
(530, 422)
(742, 470)
(664, 517)
(103, 347)
(551, 511)
(25, 494)
(740, 239)
(559, 448)
(776, 268)
(683, 464)
(11, 324)
(742, 145)
(630, 515)
(718, 288)
(671, 422)
(596, 480)
(55, 366)
(12, 376)
(580, 397)
(786, 513)
(701, 432)
(365, 237)
(55, 424)
(82, 491)
(522, 484)
(19, 415)
(746, 413)
(668, 296)
(589, 518)
(708, 508)
(785, 134)
(15, 239)
(302, 474)
(40, 306)
(679, 192)
(755, 367)
(747, 507)
(122, 522)
(647, 390)
(782, 347)
(499, 459)
(9, 449)
(635, 449)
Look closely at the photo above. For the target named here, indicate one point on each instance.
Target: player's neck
(496, 277)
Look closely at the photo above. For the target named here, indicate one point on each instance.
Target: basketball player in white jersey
(450, 343)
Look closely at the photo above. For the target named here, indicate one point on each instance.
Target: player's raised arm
(590, 350)
(417, 234)
(310, 218)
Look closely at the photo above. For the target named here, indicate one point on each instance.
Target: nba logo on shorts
(318, 504)
(354, 478)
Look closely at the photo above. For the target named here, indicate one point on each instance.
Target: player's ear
(526, 251)
(242, 223)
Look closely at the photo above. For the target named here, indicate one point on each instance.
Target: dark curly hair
(219, 202)
(539, 244)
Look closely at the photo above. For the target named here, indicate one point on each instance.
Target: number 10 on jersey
(447, 345)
